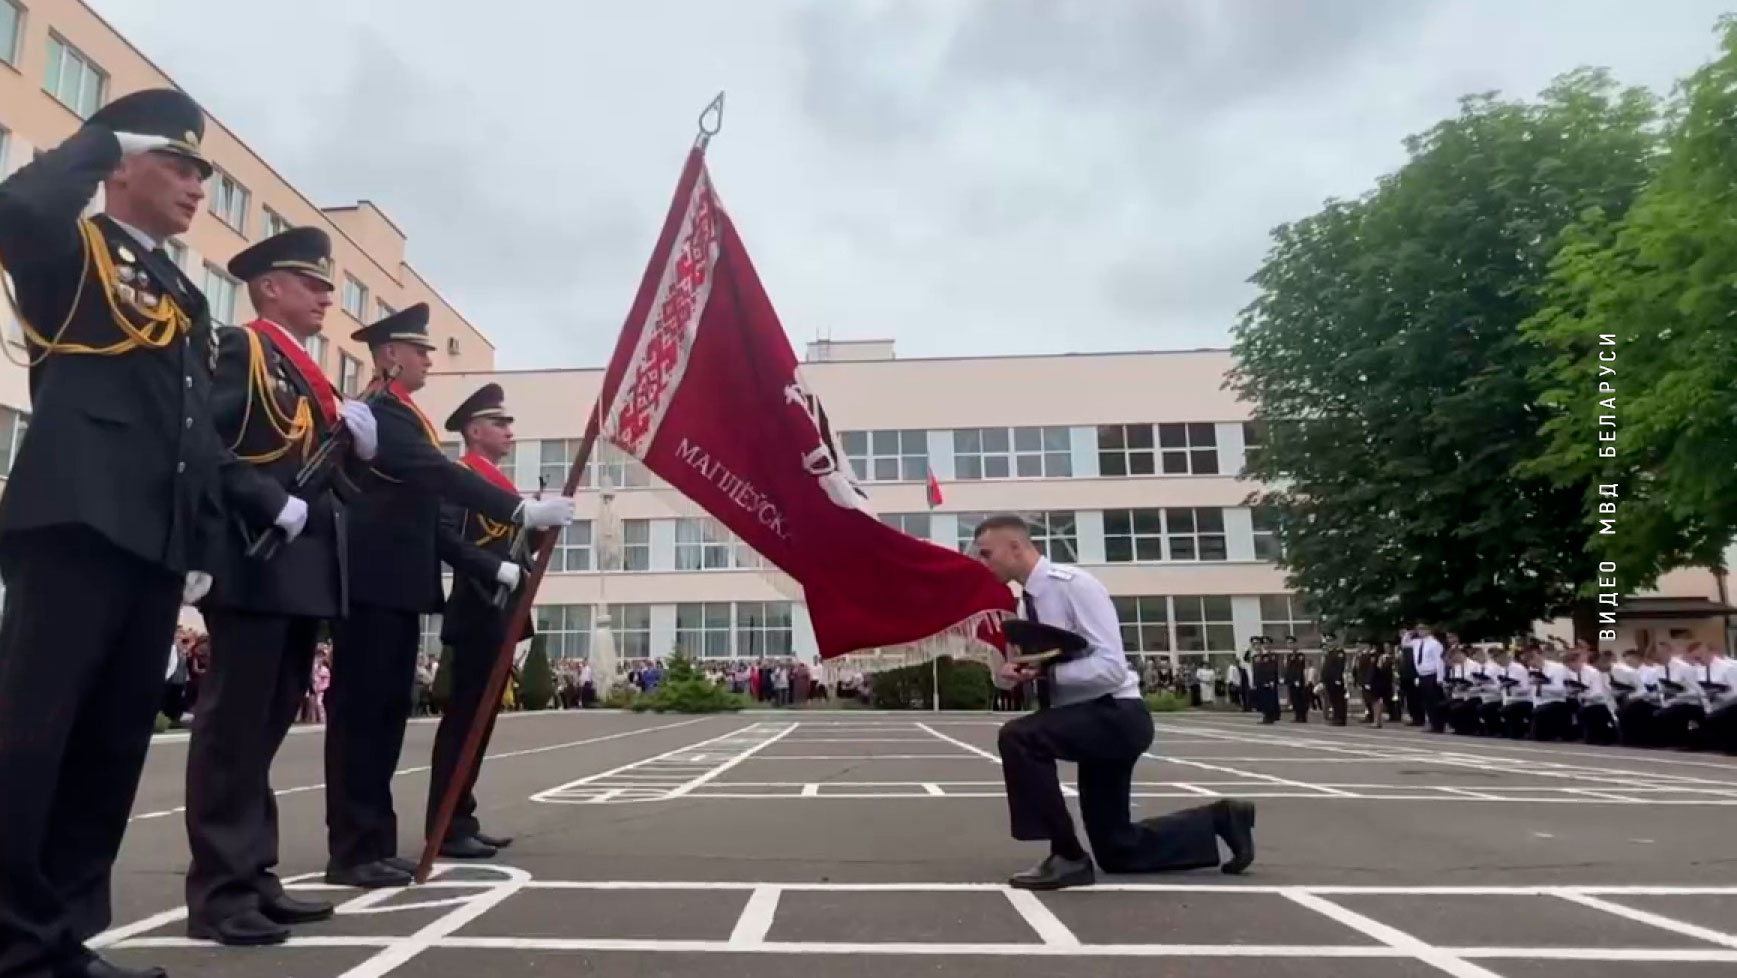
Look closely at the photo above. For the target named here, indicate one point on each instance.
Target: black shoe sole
(202, 933)
(295, 919)
(1241, 818)
(1063, 883)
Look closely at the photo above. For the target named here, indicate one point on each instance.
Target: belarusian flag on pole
(934, 491)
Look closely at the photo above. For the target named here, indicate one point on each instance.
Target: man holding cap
(111, 507)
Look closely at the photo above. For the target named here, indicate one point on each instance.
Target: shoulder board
(1061, 572)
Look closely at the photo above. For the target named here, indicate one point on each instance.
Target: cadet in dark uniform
(109, 512)
(478, 550)
(274, 407)
(1297, 680)
(1265, 669)
(1092, 714)
(394, 580)
(1333, 677)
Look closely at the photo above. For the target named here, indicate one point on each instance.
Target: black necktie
(1030, 604)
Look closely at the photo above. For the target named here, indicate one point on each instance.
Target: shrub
(536, 679)
(965, 685)
(1166, 702)
(686, 690)
(621, 697)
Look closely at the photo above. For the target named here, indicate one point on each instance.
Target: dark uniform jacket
(122, 444)
(257, 391)
(1296, 669)
(1333, 667)
(475, 546)
(395, 524)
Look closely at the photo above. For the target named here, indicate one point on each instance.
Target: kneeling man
(1090, 712)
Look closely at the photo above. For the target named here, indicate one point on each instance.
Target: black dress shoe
(497, 841)
(405, 866)
(468, 847)
(95, 967)
(1233, 820)
(1056, 873)
(248, 929)
(285, 909)
(368, 876)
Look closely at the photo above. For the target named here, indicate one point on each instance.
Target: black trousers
(1635, 723)
(367, 707)
(1597, 725)
(1671, 724)
(1465, 716)
(1299, 694)
(471, 665)
(1408, 698)
(1267, 701)
(84, 639)
(1517, 718)
(1553, 720)
(1338, 708)
(1105, 737)
(1429, 697)
(260, 669)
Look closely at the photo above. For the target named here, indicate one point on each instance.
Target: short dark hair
(1002, 521)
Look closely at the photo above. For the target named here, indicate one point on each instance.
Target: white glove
(508, 574)
(365, 431)
(540, 514)
(198, 583)
(132, 143)
(293, 519)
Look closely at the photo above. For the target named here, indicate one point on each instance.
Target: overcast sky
(964, 176)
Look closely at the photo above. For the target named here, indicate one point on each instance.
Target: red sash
(485, 468)
(324, 394)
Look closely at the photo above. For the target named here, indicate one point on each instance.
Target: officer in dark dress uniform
(479, 551)
(109, 512)
(1297, 680)
(394, 568)
(1333, 677)
(274, 407)
(1264, 667)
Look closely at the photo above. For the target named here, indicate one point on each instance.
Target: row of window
(1180, 448)
(755, 629)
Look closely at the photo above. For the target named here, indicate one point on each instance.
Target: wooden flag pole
(491, 701)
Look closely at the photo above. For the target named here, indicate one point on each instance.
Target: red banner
(705, 390)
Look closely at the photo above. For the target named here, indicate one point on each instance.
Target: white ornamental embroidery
(823, 460)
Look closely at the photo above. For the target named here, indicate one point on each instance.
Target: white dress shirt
(1554, 689)
(1687, 675)
(1722, 670)
(1521, 693)
(1070, 598)
(1650, 674)
(1629, 676)
(1426, 654)
(1598, 691)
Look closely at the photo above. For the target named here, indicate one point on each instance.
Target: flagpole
(710, 122)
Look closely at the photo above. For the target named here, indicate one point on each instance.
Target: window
(1002, 453)
(1145, 623)
(11, 24)
(316, 346)
(13, 424)
(635, 552)
(349, 375)
(703, 630)
(383, 309)
(763, 630)
(611, 466)
(1195, 534)
(275, 223)
(1188, 449)
(220, 295)
(631, 626)
(1285, 615)
(1055, 535)
(566, 630)
(355, 297)
(71, 78)
(1266, 533)
(1133, 535)
(1203, 624)
(1254, 435)
(702, 544)
(555, 458)
(228, 200)
(431, 635)
(888, 456)
(177, 251)
(573, 550)
(509, 467)
(915, 524)
(1126, 449)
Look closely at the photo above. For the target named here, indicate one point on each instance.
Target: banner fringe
(959, 641)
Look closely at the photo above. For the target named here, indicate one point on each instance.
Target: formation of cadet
(167, 464)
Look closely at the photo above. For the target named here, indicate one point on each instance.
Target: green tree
(536, 678)
(1384, 355)
(1659, 282)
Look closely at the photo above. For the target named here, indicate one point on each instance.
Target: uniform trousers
(367, 707)
(1553, 720)
(1267, 701)
(1463, 715)
(1430, 696)
(85, 634)
(1338, 708)
(1672, 723)
(261, 667)
(1105, 737)
(1517, 718)
(472, 662)
(1299, 693)
(1597, 725)
(1635, 722)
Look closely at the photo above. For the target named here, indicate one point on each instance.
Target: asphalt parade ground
(855, 843)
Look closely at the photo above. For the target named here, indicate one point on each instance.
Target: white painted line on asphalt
(1042, 920)
(678, 754)
(1198, 790)
(444, 926)
(1390, 936)
(810, 790)
(933, 789)
(756, 919)
(732, 762)
(1067, 791)
(109, 938)
(1652, 919)
(1254, 776)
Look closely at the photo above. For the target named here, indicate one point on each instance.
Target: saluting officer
(1333, 676)
(395, 579)
(479, 551)
(108, 512)
(274, 407)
